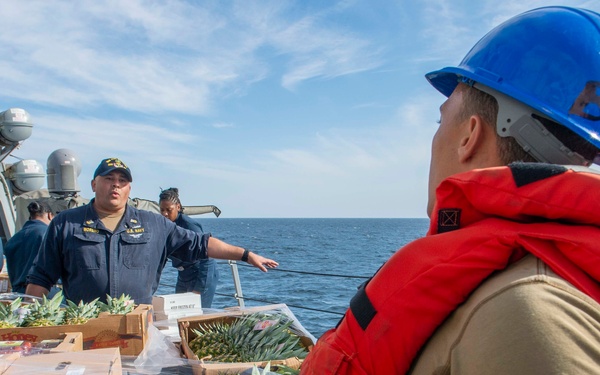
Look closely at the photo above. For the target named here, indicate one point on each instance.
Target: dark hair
(37, 209)
(485, 105)
(171, 195)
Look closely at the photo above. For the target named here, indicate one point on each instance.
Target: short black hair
(38, 208)
(170, 194)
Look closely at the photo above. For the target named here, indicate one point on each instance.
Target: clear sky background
(263, 108)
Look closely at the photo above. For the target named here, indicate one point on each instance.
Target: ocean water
(314, 249)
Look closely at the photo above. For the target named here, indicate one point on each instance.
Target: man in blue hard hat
(507, 281)
(108, 247)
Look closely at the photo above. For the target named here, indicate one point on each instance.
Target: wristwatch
(245, 255)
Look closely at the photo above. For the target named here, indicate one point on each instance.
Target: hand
(261, 262)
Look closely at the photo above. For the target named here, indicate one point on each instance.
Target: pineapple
(9, 317)
(254, 338)
(121, 305)
(211, 340)
(47, 313)
(81, 313)
(264, 336)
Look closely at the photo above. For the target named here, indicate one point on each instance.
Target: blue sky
(262, 108)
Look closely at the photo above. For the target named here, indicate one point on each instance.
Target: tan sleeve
(530, 328)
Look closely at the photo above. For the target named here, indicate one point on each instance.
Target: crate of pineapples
(234, 341)
(114, 323)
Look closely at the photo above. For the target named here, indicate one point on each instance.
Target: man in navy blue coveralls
(109, 247)
(22, 248)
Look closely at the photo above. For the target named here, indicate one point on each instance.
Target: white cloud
(188, 95)
(222, 125)
(158, 57)
(129, 55)
(357, 171)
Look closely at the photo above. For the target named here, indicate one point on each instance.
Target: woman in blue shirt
(200, 277)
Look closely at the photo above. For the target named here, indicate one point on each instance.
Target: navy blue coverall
(93, 261)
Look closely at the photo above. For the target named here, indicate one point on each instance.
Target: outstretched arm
(36, 290)
(221, 250)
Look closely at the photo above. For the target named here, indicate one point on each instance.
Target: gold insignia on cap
(116, 162)
(89, 222)
(133, 221)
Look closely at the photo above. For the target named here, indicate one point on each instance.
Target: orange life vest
(484, 220)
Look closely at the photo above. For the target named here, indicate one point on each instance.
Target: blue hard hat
(546, 58)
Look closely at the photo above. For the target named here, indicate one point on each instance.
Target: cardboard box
(171, 303)
(97, 361)
(237, 368)
(177, 314)
(7, 359)
(5, 286)
(218, 368)
(128, 332)
(72, 342)
(69, 342)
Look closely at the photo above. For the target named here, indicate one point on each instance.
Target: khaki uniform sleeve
(532, 328)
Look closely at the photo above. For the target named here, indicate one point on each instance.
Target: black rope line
(266, 301)
(273, 303)
(284, 270)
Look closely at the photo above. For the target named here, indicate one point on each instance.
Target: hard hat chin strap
(516, 120)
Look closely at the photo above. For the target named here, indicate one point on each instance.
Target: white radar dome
(26, 175)
(15, 126)
(63, 168)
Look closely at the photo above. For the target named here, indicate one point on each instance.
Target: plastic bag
(158, 353)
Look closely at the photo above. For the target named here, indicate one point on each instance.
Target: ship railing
(239, 295)
(240, 298)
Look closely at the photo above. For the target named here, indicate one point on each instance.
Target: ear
(94, 185)
(472, 140)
